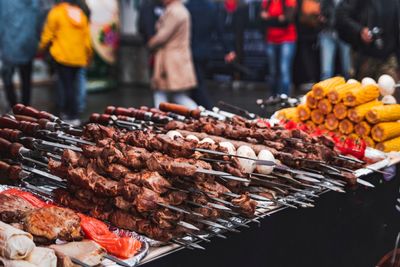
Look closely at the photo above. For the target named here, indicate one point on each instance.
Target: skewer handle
(101, 119)
(20, 109)
(110, 110)
(6, 122)
(9, 149)
(10, 134)
(25, 118)
(12, 172)
(179, 109)
(29, 128)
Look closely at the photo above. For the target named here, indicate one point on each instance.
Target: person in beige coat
(173, 70)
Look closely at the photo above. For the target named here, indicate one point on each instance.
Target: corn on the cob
(389, 145)
(331, 122)
(346, 127)
(317, 117)
(383, 114)
(304, 112)
(335, 95)
(361, 95)
(369, 141)
(340, 111)
(288, 114)
(362, 128)
(311, 125)
(322, 88)
(357, 114)
(325, 106)
(385, 131)
(311, 102)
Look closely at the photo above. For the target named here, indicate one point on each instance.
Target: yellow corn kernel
(361, 95)
(383, 113)
(357, 114)
(322, 88)
(385, 131)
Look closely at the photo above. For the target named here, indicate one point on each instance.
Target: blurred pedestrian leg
(177, 97)
(82, 89)
(25, 74)
(200, 93)
(174, 74)
(280, 35)
(329, 44)
(68, 78)
(67, 34)
(20, 24)
(7, 72)
(280, 60)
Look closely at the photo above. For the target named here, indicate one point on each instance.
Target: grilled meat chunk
(13, 208)
(149, 179)
(51, 223)
(247, 205)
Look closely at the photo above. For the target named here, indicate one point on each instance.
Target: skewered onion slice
(173, 134)
(207, 140)
(229, 147)
(247, 165)
(192, 137)
(265, 155)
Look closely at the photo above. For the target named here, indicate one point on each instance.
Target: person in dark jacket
(20, 25)
(150, 11)
(372, 28)
(330, 42)
(204, 16)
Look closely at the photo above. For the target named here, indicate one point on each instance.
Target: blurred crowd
(362, 34)
(62, 34)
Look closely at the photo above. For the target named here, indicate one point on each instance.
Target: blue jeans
(329, 43)
(81, 91)
(280, 60)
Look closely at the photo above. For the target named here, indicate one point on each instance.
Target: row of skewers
(174, 173)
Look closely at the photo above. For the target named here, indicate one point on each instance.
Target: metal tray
(134, 261)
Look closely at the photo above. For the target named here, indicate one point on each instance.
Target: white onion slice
(173, 134)
(229, 147)
(247, 165)
(207, 140)
(192, 137)
(265, 155)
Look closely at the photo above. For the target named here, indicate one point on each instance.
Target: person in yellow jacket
(67, 35)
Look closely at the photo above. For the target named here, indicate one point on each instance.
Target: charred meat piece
(165, 218)
(98, 132)
(247, 205)
(88, 179)
(58, 169)
(149, 179)
(66, 199)
(91, 151)
(13, 208)
(176, 198)
(51, 223)
(131, 222)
